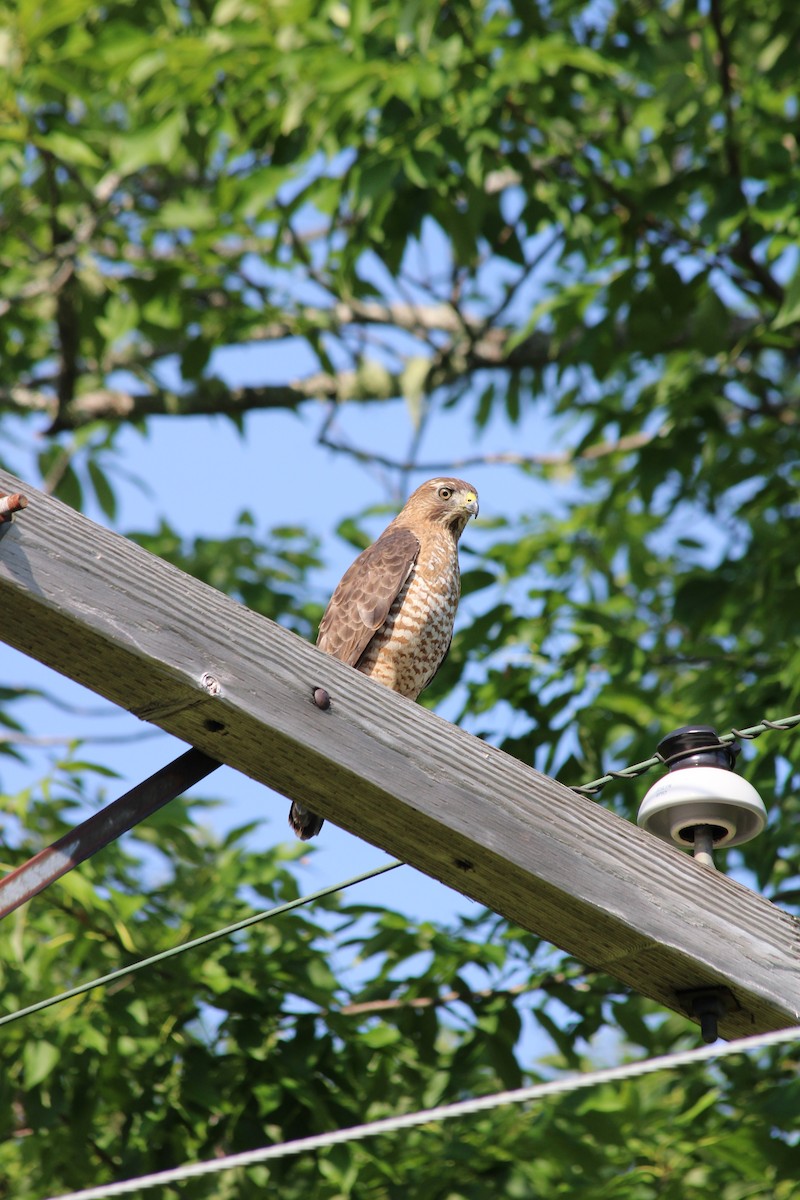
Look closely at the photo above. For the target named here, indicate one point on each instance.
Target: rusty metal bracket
(103, 827)
(8, 506)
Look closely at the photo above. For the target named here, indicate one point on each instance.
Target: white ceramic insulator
(692, 796)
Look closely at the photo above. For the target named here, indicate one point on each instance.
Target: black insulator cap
(697, 746)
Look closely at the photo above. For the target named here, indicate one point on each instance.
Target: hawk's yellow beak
(471, 503)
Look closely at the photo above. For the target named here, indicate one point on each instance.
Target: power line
(444, 1112)
(781, 725)
(204, 940)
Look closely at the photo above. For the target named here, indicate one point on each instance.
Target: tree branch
(51, 285)
(66, 314)
(419, 320)
(744, 250)
(624, 445)
(370, 382)
(392, 1004)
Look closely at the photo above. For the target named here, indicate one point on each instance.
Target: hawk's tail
(305, 824)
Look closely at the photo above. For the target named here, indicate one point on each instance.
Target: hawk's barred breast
(408, 649)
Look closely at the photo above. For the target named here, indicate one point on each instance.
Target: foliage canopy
(584, 213)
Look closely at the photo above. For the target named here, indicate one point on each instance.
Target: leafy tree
(585, 212)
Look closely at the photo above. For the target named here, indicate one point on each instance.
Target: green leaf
(151, 145)
(69, 149)
(102, 489)
(413, 380)
(39, 1059)
(193, 211)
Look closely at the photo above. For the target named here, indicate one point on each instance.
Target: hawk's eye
(445, 493)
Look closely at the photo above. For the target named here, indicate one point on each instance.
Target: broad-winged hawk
(391, 615)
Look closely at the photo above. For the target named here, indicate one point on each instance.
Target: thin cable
(749, 735)
(443, 1112)
(205, 940)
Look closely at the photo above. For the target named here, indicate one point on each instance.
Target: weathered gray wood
(134, 629)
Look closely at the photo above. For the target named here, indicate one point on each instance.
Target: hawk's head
(448, 502)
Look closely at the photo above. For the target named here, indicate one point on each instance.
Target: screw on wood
(321, 698)
(10, 505)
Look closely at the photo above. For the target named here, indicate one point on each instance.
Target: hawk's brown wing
(366, 592)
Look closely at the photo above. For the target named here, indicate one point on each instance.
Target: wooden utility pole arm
(175, 652)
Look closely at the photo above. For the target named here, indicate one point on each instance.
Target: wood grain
(98, 608)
